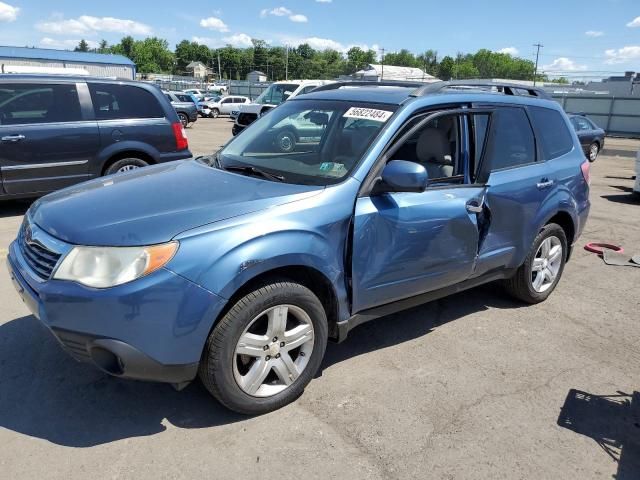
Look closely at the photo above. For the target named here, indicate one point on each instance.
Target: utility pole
(382, 59)
(219, 69)
(535, 73)
(286, 65)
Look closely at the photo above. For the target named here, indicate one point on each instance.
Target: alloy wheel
(546, 264)
(273, 350)
(127, 168)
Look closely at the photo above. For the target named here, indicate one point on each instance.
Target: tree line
(153, 55)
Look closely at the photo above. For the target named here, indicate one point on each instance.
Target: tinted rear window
(554, 136)
(123, 101)
(38, 103)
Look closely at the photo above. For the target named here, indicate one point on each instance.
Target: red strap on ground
(599, 248)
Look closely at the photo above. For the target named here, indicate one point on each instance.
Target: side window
(169, 97)
(510, 142)
(226, 100)
(436, 146)
(555, 138)
(123, 101)
(31, 103)
(308, 89)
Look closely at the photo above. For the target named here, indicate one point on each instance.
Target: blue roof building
(42, 59)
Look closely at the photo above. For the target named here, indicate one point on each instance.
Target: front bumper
(153, 328)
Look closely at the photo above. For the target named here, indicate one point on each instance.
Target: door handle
(475, 206)
(12, 138)
(544, 183)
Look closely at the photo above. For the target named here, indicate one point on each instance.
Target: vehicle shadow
(46, 394)
(13, 208)
(613, 421)
(628, 198)
(416, 322)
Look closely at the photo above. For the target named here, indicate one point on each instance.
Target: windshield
(275, 94)
(308, 141)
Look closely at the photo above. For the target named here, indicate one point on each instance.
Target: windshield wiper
(255, 171)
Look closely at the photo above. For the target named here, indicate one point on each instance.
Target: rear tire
(594, 150)
(125, 165)
(540, 273)
(287, 362)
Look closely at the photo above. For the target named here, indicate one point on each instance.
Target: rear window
(38, 103)
(123, 101)
(554, 136)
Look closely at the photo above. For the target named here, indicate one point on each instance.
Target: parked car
(185, 106)
(218, 88)
(237, 267)
(197, 93)
(590, 135)
(225, 105)
(56, 131)
(273, 96)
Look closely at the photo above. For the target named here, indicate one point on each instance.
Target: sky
(581, 38)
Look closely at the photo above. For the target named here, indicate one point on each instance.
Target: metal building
(16, 59)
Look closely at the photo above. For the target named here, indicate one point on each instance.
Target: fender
(224, 256)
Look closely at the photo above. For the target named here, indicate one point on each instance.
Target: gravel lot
(471, 386)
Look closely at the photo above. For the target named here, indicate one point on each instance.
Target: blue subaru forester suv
(238, 267)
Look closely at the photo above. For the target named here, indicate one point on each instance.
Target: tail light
(180, 135)
(586, 173)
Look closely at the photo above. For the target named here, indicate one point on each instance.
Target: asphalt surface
(471, 386)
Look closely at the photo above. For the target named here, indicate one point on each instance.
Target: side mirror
(403, 176)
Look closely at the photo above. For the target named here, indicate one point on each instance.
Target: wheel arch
(305, 275)
(567, 223)
(127, 154)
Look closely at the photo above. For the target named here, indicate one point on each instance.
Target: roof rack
(367, 83)
(502, 87)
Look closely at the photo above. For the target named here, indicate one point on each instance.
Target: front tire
(184, 120)
(265, 350)
(215, 113)
(540, 273)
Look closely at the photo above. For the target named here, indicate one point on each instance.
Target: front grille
(247, 118)
(41, 260)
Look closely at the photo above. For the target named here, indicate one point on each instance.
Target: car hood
(154, 204)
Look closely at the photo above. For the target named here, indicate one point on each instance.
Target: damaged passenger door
(410, 242)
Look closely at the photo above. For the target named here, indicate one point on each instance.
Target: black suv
(57, 131)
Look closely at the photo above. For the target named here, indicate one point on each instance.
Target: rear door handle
(12, 138)
(544, 183)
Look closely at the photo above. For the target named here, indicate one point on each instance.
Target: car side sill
(387, 309)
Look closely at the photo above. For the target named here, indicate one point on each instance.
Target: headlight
(103, 267)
